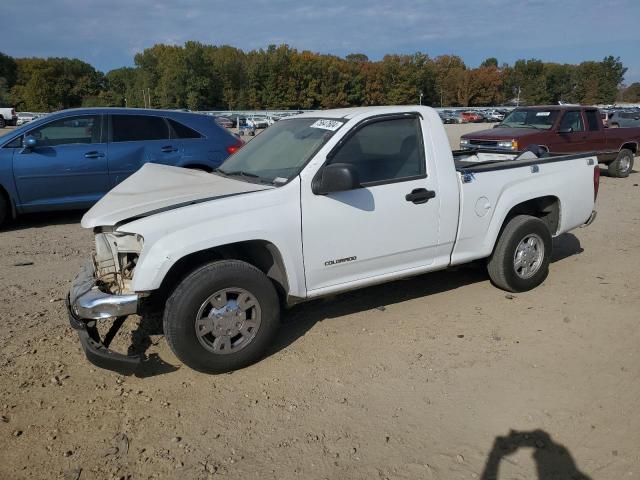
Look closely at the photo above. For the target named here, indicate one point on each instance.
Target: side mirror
(29, 142)
(336, 177)
(565, 130)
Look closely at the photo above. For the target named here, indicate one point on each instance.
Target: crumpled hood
(155, 188)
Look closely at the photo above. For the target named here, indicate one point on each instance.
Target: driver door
(67, 167)
(574, 140)
(375, 230)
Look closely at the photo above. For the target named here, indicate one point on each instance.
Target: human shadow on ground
(298, 320)
(553, 460)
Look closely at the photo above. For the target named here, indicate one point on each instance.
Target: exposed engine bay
(115, 259)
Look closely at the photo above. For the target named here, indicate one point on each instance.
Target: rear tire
(222, 306)
(622, 166)
(520, 259)
(3, 123)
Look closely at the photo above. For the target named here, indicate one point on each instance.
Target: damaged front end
(102, 292)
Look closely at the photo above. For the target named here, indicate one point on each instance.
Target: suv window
(182, 131)
(572, 119)
(15, 143)
(132, 128)
(384, 151)
(69, 131)
(592, 120)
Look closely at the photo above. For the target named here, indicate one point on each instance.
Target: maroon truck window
(572, 119)
(592, 120)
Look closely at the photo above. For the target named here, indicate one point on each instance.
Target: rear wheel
(3, 123)
(222, 317)
(623, 164)
(520, 260)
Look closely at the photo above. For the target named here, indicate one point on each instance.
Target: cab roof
(349, 113)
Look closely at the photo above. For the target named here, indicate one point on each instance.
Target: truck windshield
(530, 118)
(277, 154)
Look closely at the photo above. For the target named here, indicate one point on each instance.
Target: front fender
(271, 215)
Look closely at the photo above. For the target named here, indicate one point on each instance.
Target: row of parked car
(621, 118)
(9, 117)
(250, 121)
(473, 116)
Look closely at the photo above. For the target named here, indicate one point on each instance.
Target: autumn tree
(202, 77)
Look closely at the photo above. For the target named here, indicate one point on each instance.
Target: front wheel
(520, 260)
(623, 164)
(3, 123)
(4, 209)
(222, 317)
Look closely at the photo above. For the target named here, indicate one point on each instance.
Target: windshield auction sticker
(543, 114)
(325, 124)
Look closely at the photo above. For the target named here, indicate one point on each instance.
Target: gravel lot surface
(416, 379)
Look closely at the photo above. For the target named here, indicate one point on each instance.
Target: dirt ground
(418, 379)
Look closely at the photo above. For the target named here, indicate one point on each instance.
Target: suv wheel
(4, 209)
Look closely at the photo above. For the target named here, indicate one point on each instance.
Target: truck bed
(488, 180)
(485, 160)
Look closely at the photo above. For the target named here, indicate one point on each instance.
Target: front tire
(623, 164)
(222, 317)
(3, 123)
(4, 209)
(520, 260)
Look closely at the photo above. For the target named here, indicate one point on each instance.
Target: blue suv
(70, 159)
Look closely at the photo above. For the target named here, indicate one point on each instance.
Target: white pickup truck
(8, 117)
(317, 204)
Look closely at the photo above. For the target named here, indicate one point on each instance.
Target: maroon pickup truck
(562, 129)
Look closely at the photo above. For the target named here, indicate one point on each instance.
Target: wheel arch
(262, 254)
(5, 194)
(546, 207)
(633, 146)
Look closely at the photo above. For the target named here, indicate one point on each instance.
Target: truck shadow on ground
(301, 318)
(297, 321)
(553, 461)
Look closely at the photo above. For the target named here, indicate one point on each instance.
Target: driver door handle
(420, 195)
(93, 154)
(168, 149)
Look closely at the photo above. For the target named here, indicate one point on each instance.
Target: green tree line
(203, 77)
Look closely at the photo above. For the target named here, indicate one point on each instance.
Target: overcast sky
(108, 33)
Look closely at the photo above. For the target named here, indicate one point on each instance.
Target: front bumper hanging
(86, 305)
